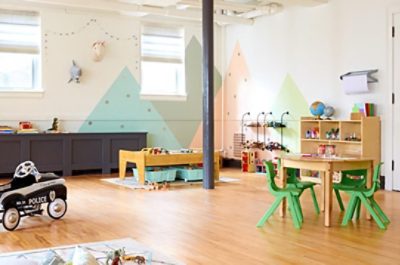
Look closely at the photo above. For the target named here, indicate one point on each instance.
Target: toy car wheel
(11, 218)
(57, 208)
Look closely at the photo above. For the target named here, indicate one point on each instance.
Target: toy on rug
(119, 257)
(158, 186)
(27, 191)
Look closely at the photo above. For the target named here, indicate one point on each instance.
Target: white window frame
(28, 44)
(174, 56)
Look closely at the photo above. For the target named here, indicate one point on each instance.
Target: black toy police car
(26, 193)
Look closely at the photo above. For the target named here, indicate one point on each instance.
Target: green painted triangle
(121, 110)
(290, 99)
(184, 117)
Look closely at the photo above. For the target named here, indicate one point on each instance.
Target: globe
(328, 112)
(317, 109)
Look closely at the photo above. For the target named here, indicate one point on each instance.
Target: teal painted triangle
(290, 99)
(121, 110)
(184, 117)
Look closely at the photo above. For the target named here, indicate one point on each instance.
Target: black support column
(208, 94)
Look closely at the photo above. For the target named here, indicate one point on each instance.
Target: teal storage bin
(157, 175)
(189, 174)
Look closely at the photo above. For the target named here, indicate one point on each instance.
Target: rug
(97, 249)
(131, 182)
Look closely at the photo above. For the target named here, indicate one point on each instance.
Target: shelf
(367, 130)
(331, 141)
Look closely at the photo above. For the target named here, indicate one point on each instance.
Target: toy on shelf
(328, 112)
(27, 191)
(274, 146)
(26, 127)
(312, 133)
(155, 151)
(55, 126)
(353, 137)
(317, 109)
(333, 134)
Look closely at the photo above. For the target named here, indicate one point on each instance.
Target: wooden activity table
(143, 159)
(326, 167)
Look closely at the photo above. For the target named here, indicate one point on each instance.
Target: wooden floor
(200, 226)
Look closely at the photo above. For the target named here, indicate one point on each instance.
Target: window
(19, 50)
(163, 57)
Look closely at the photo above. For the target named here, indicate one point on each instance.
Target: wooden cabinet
(354, 138)
(67, 152)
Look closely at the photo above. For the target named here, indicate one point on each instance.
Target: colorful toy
(26, 193)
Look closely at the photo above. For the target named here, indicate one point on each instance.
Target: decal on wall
(237, 89)
(89, 23)
(184, 117)
(240, 97)
(290, 99)
(121, 110)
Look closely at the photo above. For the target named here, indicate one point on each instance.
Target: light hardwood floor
(200, 226)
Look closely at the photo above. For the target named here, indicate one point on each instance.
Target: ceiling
(226, 11)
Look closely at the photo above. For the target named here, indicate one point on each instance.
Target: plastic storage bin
(157, 174)
(189, 174)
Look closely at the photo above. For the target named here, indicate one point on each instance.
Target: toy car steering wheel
(24, 169)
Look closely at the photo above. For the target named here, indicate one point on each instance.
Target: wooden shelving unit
(367, 130)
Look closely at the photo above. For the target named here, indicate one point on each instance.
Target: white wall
(72, 103)
(315, 46)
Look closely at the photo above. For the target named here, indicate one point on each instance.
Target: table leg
(283, 175)
(216, 168)
(122, 167)
(322, 177)
(141, 171)
(328, 197)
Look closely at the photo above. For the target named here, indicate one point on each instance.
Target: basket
(157, 174)
(189, 174)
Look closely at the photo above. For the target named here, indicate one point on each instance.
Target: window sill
(153, 97)
(22, 94)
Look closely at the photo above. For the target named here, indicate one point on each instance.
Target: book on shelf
(367, 109)
(21, 131)
(6, 129)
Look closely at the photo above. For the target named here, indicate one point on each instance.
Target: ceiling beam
(134, 10)
(307, 3)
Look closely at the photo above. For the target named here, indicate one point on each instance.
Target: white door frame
(388, 132)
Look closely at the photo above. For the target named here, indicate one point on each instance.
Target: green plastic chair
(290, 193)
(293, 182)
(348, 182)
(366, 197)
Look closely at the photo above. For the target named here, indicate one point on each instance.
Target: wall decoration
(75, 72)
(290, 99)
(185, 124)
(123, 114)
(98, 49)
(91, 22)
